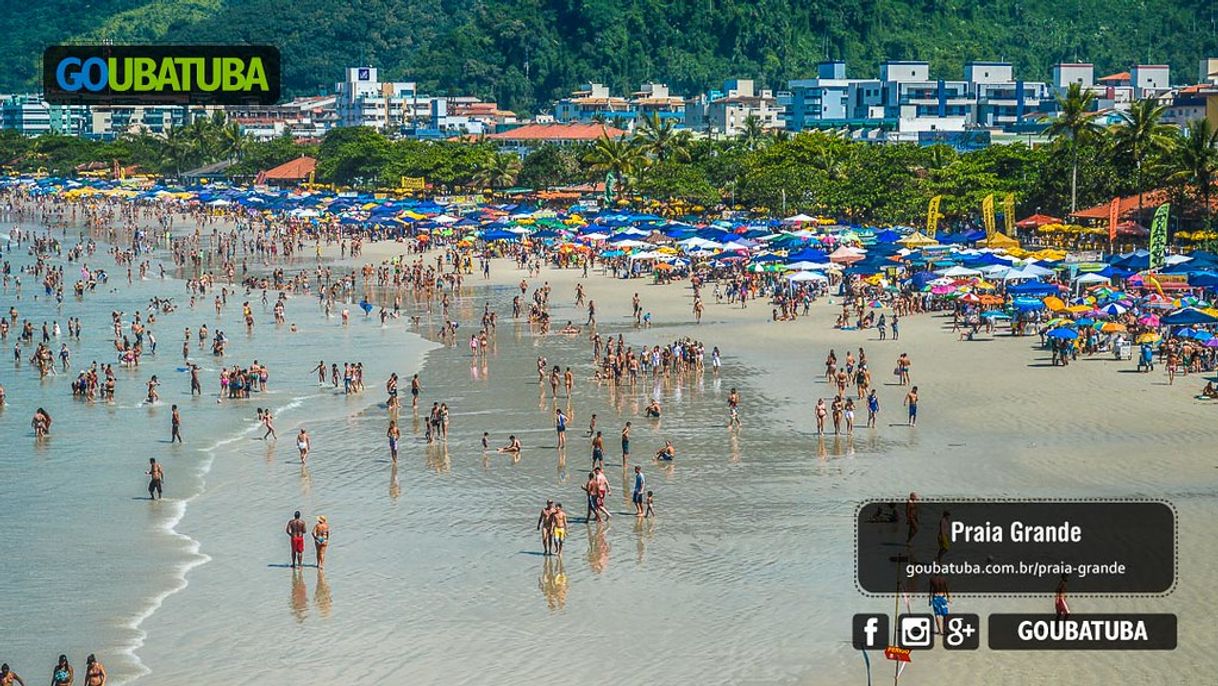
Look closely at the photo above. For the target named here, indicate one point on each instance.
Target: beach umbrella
(995, 314)
(1062, 333)
(1113, 310)
(1149, 320)
(1212, 343)
(1188, 316)
(1112, 327)
(365, 306)
(1203, 336)
(1186, 332)
(1085, 321)
(1148, 337)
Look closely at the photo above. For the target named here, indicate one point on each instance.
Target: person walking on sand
(873, 409)
(156, 478)
(296, 532)
(302, 444)
(560, 426)
(626, 443)
(733, 410)
(598, 450)
(821, 411)
(545, 524)
(636, 494)
(560, 528)
(321, 540)
(911, 401)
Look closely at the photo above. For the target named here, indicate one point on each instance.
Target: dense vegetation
(525, 53)
(809, 172)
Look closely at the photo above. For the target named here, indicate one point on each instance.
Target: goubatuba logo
(161, 74)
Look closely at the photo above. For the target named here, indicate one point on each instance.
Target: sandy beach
(745, 576)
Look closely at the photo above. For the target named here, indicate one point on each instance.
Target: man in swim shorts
(560, 528)
(156, 475)
(296, 532)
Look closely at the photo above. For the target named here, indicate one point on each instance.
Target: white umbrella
(807, 276)
(958, 271)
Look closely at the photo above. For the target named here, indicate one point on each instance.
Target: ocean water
(88, 558)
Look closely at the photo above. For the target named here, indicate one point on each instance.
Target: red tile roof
(1150, 200)
(557, 132)
(1119, 76)
(293, 170)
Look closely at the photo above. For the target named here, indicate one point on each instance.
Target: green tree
(1141, 134)
(618, 156)
(1194, 159)
(550, 165)
(752, 135)
(660, 138)
(1074, 122)
(498, 171)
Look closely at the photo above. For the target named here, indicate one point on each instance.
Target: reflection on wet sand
(598, 547)
(553, 583)
(300, 596)
(321, 594)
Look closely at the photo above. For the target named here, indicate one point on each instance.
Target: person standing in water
(63, 674)
(95, 672)
(175, 425)
(321, 540)
(393, 433)
(156, 477)
(296, 532)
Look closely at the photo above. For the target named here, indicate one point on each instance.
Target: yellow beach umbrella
(1054, 303)
(1148, 337)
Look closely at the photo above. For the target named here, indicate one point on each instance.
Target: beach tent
(799, 219)
(807, 276)
(1033, 288)
(1090, 278)
(917, 239)
(887, 236)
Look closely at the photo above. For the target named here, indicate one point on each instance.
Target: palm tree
(1141, 133)
(175, 150)
(231, 141)
(1195, 159)
(497, 171)
(1074, 123)
(661, 139)
(752, 135)
(617, 156)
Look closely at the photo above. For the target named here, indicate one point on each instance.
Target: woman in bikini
(321, 539)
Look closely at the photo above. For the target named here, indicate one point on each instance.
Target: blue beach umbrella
(1063, 333)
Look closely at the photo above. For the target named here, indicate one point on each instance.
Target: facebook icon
(870, 632)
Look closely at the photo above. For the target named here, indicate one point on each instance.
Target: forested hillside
(525, 53)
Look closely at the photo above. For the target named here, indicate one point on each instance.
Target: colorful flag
(1114, 215)
(932, 216)
(987, 215)
(1008, 214)
(1158, 236)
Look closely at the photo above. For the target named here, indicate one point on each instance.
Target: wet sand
(751, 554)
